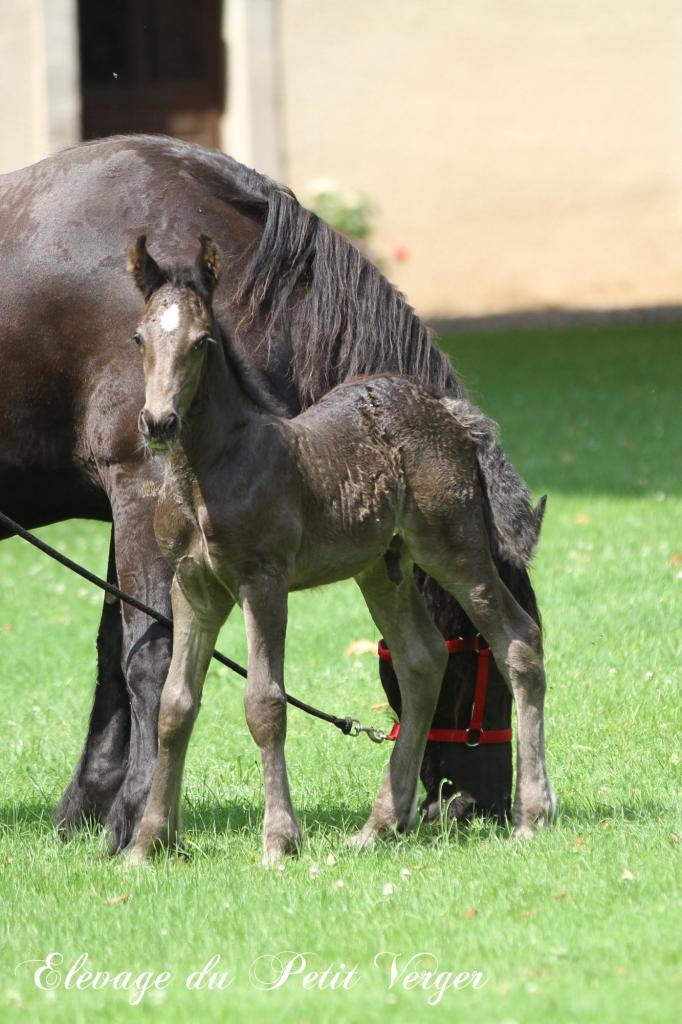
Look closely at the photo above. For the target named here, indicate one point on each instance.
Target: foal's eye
(137, 340)
(200, 342)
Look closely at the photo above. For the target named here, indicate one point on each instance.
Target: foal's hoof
(135, 856)
(145, 848)
(276, 848)
(540, 813)
(366, 837)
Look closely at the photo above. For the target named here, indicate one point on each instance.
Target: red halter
(474, 735)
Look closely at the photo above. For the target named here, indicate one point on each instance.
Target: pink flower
(401, 253)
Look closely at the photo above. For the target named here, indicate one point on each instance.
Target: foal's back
(376, 456)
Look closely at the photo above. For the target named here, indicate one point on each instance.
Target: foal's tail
(513, 524)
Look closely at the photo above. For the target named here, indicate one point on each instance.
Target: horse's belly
(328, 567)
(329, 552)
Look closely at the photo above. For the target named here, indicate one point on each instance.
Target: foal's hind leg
(463, 566)
(264, 601)
(419, 657)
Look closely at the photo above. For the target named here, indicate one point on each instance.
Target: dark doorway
(152, 66)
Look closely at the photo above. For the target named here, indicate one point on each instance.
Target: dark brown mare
(305, 308)
(379, 475)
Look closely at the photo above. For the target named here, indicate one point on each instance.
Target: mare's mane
(342, 316)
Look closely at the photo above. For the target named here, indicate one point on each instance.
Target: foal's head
(175, 330)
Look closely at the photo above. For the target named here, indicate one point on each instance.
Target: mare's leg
(102, 764)
(146, 647)
(460, 777)
(199, 610)
(265, 614)
(460, 561)
(420, 657)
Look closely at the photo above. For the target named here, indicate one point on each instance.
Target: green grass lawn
(583, 924)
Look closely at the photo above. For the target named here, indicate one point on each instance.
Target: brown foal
(379, 475)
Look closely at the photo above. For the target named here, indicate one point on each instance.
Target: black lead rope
(348, 726)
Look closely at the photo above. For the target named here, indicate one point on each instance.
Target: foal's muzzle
(158, 431)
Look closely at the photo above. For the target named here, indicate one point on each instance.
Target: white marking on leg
(170, 318)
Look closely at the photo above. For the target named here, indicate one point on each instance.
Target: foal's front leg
(264, 602)
(196, 622)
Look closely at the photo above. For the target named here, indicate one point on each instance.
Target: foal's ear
(208, 263)
(144, 268)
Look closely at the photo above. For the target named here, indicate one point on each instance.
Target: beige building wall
(251, 127)
(528, 154)
(23, 84)
(39, 82)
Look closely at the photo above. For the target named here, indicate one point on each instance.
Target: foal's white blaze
(170, 318)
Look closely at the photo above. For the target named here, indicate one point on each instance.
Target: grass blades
(580, 925)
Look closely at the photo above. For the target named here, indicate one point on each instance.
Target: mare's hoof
(66, 828)
(457, 807)
(121, 824)
(82, 805)
(74, 812)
